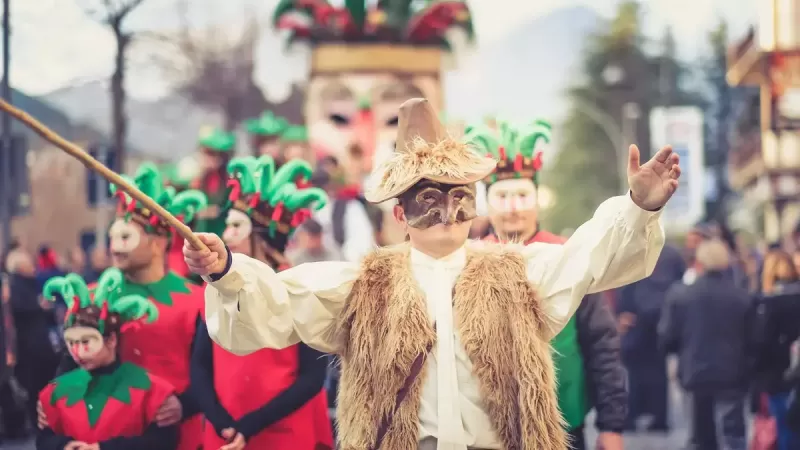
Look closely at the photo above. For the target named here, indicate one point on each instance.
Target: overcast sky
(55, 44)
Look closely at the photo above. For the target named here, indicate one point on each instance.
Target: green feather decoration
(512, 139)
(244, 169)
(259, 175)
(108, 291)
(186, 204)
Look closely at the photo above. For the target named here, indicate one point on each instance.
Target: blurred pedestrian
(310, 245)
(707, 324)
(777, 329)
(639, 310)
(36, 359)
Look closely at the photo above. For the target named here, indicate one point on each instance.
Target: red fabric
(48, 260)
(349, 192)
(765, 428)
(246, 383)
(190, 433)
(117, 419)
(175, 261)
(164, 347)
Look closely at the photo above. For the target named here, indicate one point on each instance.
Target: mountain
(525, 74)
(164, 129)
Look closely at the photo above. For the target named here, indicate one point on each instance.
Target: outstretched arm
(618, 246)
(250, 307)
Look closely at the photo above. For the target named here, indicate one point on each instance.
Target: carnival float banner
(365, 61)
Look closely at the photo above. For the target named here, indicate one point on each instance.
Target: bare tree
(112, 13)
(213, 66)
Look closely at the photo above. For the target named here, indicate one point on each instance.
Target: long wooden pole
(95, 165)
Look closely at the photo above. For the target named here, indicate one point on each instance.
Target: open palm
(654, 182)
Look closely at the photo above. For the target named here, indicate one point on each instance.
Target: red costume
(112, 404)
(274, 398)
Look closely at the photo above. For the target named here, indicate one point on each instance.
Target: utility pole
(5, 164)
(5, 156)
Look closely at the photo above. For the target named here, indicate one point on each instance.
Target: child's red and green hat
(104, 308)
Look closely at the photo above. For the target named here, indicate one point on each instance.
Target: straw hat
(424, 150)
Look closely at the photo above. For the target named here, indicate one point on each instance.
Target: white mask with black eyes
(238, 227)
(124, 236)
(83, 342)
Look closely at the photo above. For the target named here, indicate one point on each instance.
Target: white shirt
(252, 307)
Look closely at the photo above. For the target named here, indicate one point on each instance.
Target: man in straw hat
(487, 310)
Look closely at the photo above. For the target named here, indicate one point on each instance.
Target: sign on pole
(682, 128)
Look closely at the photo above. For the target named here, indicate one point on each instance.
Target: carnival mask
(238, 228)
(429, 203)
(124, 236)
(83, 343)
(509, 196)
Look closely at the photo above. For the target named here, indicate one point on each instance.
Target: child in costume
(586, 352)
(491, 384)
(269, 399)
(216, 149)
(104, 403)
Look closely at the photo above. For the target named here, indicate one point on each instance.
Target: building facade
(766, 168)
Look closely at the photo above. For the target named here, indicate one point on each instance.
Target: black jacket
(709, 324)
(605, 374)
(777, 326)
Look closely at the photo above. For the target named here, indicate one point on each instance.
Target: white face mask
(125, 236)
(83, 342)
(512, 195)
(238, 229)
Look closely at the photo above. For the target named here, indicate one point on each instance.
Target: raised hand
(654, 182)
(206, 262)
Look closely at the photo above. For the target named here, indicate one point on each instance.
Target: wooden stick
(95, 165)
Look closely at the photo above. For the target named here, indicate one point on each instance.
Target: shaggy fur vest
(501, 323)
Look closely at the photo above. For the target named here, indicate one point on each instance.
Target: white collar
(456, 259)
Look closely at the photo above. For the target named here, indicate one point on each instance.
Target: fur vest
(500, 321)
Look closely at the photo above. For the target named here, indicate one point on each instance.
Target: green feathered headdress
(216, 140)
(266, 125)
(106, 310)
(295, 133)
(278, 200)
(514, 148)
(184, 205)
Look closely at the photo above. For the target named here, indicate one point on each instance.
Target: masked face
(513, 206)
(359, 110)
(429, 203)
(131, 247)
(237, 233)
(85, 345)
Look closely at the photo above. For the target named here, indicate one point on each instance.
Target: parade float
(366, 59)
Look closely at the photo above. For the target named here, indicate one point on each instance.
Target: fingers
(664, 154)
(675, 172)
(633, 159)
(228, 433)
(237, 444)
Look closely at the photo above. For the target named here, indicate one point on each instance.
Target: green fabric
(79, 385)
(266, 125)
(160, 291)
(217, 140)
(295, 133)
(573, 397)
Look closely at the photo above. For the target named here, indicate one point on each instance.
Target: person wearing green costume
(216, 149)
(586, 352)
(265, 134)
